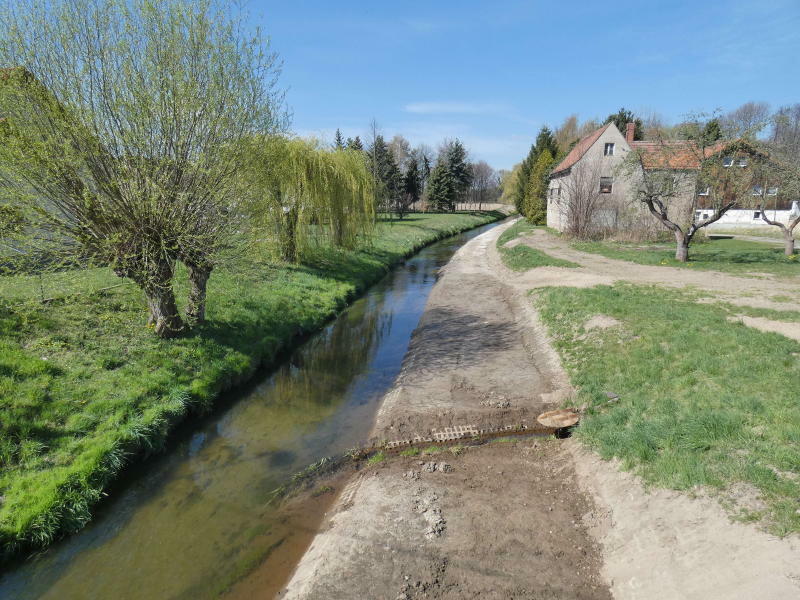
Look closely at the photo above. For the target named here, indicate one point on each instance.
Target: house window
(742, 162)
(558, 191)
(758, 190)
(697, 215)
(772, 191)
(704, 192)
(605, 184)
(609, 150)
(756, 214)
(705, 215)
(727, 161)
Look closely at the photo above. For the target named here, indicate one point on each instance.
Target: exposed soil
(502, 520)
(660, 544)
(791, 330)
(498, 521)
(530, 518)
(597, 270)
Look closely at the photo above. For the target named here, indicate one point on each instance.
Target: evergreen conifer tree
(385, 174)
(535, 205)
(411, 188)
(441, 188)
(338, 140)
(621, 118)
(460, 173)
(355, 144)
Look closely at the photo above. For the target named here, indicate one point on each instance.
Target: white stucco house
(596, 161)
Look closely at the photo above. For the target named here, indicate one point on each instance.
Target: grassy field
(703, 402)
(732, 256)
(521, 257)
(84, 386)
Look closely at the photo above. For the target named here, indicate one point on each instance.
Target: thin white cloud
(455, 108)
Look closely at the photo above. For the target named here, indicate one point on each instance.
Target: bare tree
(785, 133)
(483, 180)
(581, 199)
(401, 151)
(747, 120)
(777, 178)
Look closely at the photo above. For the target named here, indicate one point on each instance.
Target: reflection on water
(190, 519)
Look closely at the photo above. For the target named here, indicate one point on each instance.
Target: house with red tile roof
(594, 168)
(592, 172)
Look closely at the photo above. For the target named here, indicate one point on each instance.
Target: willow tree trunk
(198, 281)
(155, 280)
(288, 236)
(164, 315)
(682, 247)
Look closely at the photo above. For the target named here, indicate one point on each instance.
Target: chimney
(629, 129)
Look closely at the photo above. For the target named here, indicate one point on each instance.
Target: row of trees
(404, 176)
(140, 134)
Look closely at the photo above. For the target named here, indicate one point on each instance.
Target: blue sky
(491, 73)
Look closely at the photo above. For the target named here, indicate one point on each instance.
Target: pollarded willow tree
(123, 129)
(306, 195)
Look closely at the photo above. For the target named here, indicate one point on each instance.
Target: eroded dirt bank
(531, 518)
(498, 521)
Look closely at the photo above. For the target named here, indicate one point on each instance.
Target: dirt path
(499, 521)
(597, 270)
(531, 518)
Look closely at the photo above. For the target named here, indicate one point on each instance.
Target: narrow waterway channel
(196, 522)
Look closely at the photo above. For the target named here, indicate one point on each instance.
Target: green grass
(85, 387)
(703, 402)
(517, 229)
(522, 257)
(732, 256)
(376, 458)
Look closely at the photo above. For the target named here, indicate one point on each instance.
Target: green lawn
(521, 257)
(703, 402)
(84, 386)
(733, 256)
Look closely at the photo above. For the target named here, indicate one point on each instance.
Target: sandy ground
(506, 521)
(529, 518)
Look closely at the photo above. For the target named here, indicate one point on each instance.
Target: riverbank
(96, 389)
(503, 520)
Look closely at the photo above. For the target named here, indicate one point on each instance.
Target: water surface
(191, 522)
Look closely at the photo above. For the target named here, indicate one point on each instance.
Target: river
(196, 522)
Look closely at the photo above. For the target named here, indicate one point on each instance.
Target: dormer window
(742, 162)
(727, 161)
(772, 191)
(758, 190)
(705, 192)
(608, 150)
